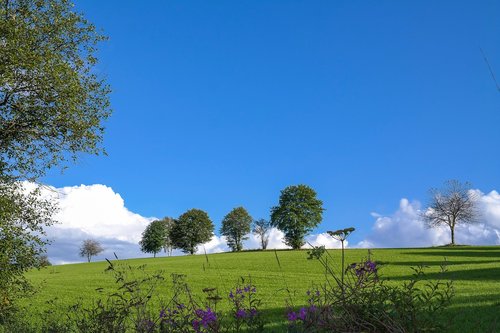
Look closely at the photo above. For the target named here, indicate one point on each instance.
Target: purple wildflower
(302, 314)
(292, 316)
(241, 313)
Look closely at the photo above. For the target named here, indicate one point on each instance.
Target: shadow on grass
(473, 318)
(481, 274)
(476, 252)
(440, 262)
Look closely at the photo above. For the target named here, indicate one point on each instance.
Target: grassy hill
(474, 270)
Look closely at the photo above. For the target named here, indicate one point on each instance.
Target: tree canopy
(23, 216)
(450, 206)
(52, 109)
(191, 229)
(297, 214)
(153, 237)
(52, 104)
(235, 226)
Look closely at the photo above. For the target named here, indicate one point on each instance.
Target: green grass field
(474, 270)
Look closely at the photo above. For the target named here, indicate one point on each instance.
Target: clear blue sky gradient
(224, 103)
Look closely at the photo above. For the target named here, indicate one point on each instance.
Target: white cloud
(92, 211)
(404, 228)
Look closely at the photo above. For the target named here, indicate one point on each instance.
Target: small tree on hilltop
(192, 228)
(297, 214)
(261, 229)
(454, 204)
(235, 225)
(168, 245)
(90, 248)
(153, 238)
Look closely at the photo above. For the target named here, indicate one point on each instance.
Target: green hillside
(474, 270)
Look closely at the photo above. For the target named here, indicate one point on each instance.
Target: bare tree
(90, 248)
(261, 228)
(454, 204)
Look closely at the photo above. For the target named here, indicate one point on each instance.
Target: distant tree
(192, 228)
(168, 245)
(235, 226)
(452, 205)
(261, 229)
(297, 214)
(44, 260)
(153, 237)
(90, 248)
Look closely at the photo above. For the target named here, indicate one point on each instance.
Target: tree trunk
(452, 229)
(154, 254)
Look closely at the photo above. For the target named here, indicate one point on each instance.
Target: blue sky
(219, 104)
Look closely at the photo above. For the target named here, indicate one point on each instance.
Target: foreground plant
(361, 301)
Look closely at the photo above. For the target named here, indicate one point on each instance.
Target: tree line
(298, 212)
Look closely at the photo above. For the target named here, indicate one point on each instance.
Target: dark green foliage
(153, 237)
(235, 226)
(23, 215)
(192, 228)
(52, 104)
(297, 214)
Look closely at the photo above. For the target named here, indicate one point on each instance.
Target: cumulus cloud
(92, 211)
(405, 228)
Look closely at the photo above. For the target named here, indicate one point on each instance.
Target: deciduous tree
(297, 214)
(235, 226)
(191, 229)
(168, 245)
(90, 248)
(450, 206)
(23, 216)
(52, 108)
(52, 103)
(153, 237)
(261, 229)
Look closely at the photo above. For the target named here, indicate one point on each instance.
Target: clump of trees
(236, 226)
(90, 248)
(298, 212)
(450, 206)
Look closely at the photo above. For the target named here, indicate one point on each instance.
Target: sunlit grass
(474, 270)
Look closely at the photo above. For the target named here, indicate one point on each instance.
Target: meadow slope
(474, 270)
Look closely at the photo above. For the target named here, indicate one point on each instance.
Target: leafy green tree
(90, 248)
(52, 109)
(192, 228)
(235, 226)
(23, 216)
(297, 214)
(261, 229)
(153, 237)
(168, 245)
(52, 104)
